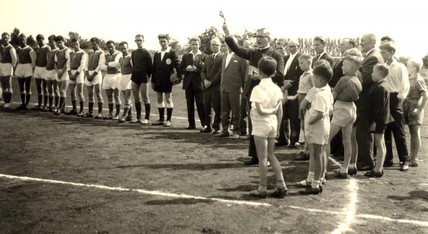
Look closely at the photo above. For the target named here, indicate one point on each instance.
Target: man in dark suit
(364, 137)
(190, 67)
(319, 47)
(290, 127)
(346, 44)
(211, 75)
(253, 55)
(233, 73)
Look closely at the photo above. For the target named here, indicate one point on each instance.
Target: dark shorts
(164, 88)
(139, 77)
(380, 129)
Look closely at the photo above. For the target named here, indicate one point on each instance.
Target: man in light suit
(211, 75)
(233, 73)
(290, 128)
(191, 66)
(364, 137)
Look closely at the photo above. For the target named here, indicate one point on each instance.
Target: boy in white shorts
(8, 60)
(40, 72)
(63, 69)
(51, 74)
(111, 79)
(78, 59)
(96, 60)
(24, 70)
(266, 114)
(125, 83)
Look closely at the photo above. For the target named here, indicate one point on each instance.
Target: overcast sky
(120, 20)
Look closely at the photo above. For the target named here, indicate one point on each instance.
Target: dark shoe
(258, 194)
(341, 175)
(352, 171)
(302, 157)
(365, 168)
(388, 163)
(99, 116)
(158, 123)
(90, 115)
(191, 127)
(206, 130)
(109, 116)
(135, 121)
(252, 162)
(122, 119)
(128, 118)
(310, 190)
(281, 143)
(21, 107)
(223, 134)
(293, 145)
(279, 193)
(374, 174)
(216, 132)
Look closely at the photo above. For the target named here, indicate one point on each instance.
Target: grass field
(66, 174)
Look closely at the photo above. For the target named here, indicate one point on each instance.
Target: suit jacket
(371, 59)
(212, 70)
(337, 73)
(326, 56)
(293, 73)
(192, 78)
(162, 69)
(233, 75)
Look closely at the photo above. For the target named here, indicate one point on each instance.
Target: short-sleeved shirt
(417, 87)
(268, 94)
(348, 89)
(305, 82)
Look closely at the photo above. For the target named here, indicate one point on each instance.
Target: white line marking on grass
(236, 202)
(351, 208)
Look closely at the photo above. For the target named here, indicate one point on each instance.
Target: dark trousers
(292, 114)
(364, 139)
(230, 102)
(243, 115)
(193, 96)
(397, 128)
(212, 101)
(284, 130)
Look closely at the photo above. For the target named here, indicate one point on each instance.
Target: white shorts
(51, 75)
(97, 79)
(64, 77)
(79, 79)
(265, 126)
(6, 69)
(24, 70)
(111, 80)
(40, 73)
(125, 82)
(344, 113)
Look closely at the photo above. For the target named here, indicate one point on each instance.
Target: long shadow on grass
(413, 195)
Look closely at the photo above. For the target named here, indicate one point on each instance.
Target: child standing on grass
(413, 107)
(266, 113)
(346, 92)
(378, 102)
(317, 124)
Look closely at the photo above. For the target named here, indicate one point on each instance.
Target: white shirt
(228, 58)
(288, 64)
(164, 52)
(398, 79)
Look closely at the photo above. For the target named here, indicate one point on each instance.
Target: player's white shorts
(64, 76)
(6, 69)
(79, 79)
(111, 80)
(24, 70)
(125, 82)
(51, 75)
(98, 79)
(40, 73)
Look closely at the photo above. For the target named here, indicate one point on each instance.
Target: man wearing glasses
(253, 55)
